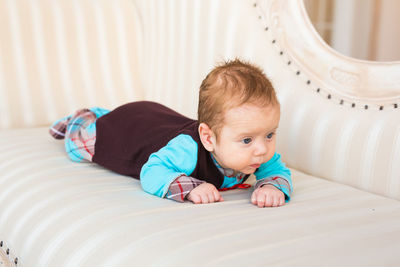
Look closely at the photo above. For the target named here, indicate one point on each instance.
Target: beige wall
(387, 41)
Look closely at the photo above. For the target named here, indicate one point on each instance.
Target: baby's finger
(211, 197)
(217, 195)
(276, 201)
(261, 200)
(254, 197)
(269, 201)
(204, 199)
(282, 201)
(194, 198)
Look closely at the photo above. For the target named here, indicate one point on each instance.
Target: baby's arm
(181, 187)
(195, 190)
(204, 193)
(274, 184)
(167, 173)
(268, 196)
(178, 158)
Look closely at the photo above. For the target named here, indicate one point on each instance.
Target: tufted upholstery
(340, 121)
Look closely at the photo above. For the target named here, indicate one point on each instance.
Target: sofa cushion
(340, 116)
(58, 213)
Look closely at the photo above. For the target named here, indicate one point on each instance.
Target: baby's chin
(244, 169)
(248, 170)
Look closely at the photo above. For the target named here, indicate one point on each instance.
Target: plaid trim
(79, 131)
(228, 172)
(182, 186)
(240, 186)
(59, 128)
(278, 182)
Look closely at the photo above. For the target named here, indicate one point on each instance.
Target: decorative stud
(16, 261)
(395, 105)
(8, 251)
(329, 96)
(1, 244)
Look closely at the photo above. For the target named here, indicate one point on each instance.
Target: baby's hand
(204, 193)
(268, 196)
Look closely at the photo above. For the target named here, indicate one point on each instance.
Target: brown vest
(127, 136)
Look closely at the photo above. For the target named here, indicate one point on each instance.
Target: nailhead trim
(8, 252)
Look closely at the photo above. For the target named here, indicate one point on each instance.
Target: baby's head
(238, 115)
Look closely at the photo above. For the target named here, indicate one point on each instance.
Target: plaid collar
(228, 172)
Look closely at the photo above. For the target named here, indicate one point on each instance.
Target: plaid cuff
(278, 182)
(181, 187)
(59, 128)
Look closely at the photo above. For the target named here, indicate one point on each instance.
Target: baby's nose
(261, 149)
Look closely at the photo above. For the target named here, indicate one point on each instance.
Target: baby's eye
(246, 141)
(270, 135)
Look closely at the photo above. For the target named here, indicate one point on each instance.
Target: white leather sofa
(339, 134)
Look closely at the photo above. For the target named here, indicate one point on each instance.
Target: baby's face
(247, 138)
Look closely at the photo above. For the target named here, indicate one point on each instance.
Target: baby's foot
(59, 128)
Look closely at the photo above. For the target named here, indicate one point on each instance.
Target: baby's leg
(79, 131)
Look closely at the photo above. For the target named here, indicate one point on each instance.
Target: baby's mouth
(255, 166)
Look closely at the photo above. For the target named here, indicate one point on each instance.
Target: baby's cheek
(270, 154)
(271, 149)
(233, 156)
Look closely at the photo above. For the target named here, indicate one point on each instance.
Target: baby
(179, 158)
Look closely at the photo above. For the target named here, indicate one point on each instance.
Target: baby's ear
(207, 137)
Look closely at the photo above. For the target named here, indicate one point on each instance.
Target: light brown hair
(230, 85)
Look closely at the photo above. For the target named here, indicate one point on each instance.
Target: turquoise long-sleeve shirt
(179, 157)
